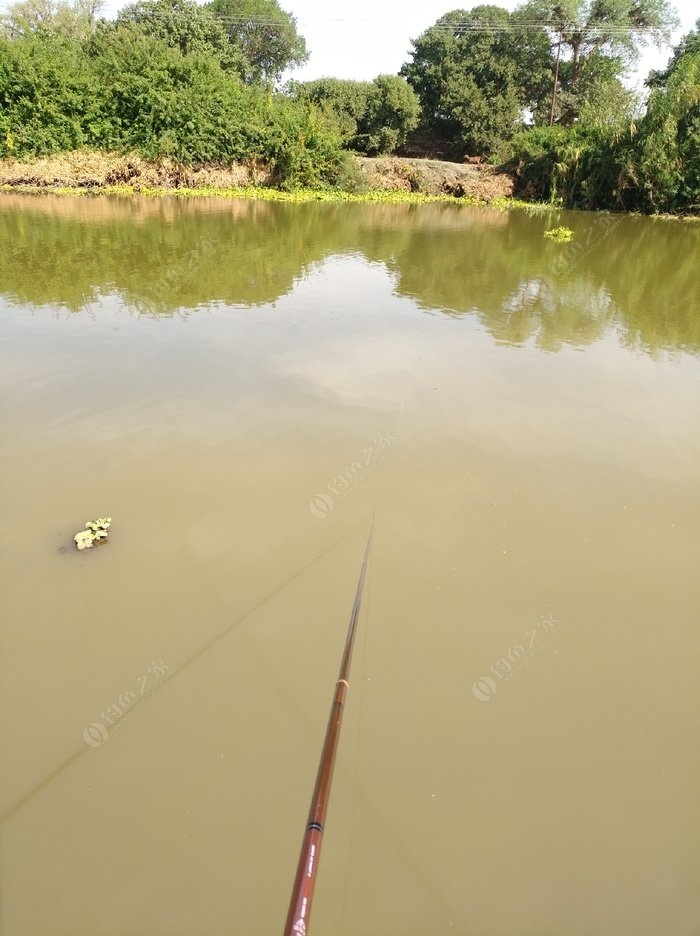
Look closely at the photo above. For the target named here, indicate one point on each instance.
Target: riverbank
(381, 179)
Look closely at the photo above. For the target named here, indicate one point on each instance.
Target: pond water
(240, 385)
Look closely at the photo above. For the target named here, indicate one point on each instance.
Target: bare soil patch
(435, 177)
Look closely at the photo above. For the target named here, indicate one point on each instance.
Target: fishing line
(239, 620)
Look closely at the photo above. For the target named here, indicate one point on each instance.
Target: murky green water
(239, 386)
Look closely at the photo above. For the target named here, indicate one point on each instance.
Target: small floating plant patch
(96, 531)
(560, 234)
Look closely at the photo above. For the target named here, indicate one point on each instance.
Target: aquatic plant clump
(96, 531)
(563, 234)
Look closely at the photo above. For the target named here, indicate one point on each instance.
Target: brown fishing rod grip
(305, 881)
(300, 909)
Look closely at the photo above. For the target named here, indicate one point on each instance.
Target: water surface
(239, 385)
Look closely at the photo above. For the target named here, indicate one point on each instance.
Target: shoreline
(326, 196)
(260, 193)
(383, 180)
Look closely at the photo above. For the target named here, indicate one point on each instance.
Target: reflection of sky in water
(344, 340)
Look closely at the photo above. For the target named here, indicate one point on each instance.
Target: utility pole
(556, 80)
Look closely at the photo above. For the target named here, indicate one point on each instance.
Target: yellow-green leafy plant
(560, 234)
(95, 531)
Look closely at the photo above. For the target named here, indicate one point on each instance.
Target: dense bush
(371, 117)
(152, 98)
(45, 93)
(125, 90)
(303, 149)
(667, 165)
(574, 168)
(652, 165)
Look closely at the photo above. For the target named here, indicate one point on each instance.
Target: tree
(263, 33)
(598, 40)
(75, 19)
(342, 101)
(609, 103)
(182, 25)
(391, 113)
(371, 116)
(475, 73)
(668, 160)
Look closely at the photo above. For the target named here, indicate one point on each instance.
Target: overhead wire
(455, 28)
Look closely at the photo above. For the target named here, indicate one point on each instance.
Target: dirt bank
(435, 177)
(93, 170)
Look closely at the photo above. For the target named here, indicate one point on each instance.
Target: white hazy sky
(366, 39)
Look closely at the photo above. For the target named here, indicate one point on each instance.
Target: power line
(457, 28)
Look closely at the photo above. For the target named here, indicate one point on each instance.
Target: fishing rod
(303, 890)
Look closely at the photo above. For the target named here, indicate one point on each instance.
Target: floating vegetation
(300, 196)
(560, 234)
(259, 193)
(96, 531)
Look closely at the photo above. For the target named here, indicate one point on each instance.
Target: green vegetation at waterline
(382, 179)
(649, 166)
(292, 196)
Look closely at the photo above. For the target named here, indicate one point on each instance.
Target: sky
(366, 39)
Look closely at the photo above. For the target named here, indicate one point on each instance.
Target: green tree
(667, 165)
(475, 73)
(183, 25)
(264, 35)
(597, 41)
(342, 101)
(391, 113)
(76, 19)
(371, 116)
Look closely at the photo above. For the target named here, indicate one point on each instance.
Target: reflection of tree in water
(641, 279)
(574, 314)
(156, 264)
(653, 278)
(168, 255)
